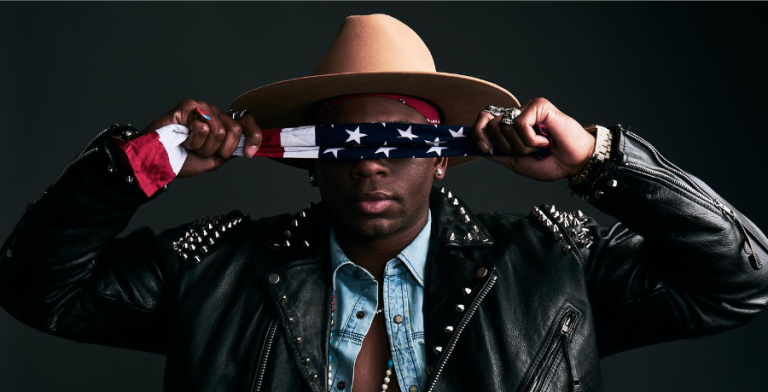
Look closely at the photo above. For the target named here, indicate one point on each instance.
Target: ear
(440, 167)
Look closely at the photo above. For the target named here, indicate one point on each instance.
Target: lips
(373, 202)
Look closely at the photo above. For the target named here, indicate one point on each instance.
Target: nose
(366, 168)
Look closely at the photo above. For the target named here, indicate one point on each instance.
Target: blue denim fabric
(356, 290)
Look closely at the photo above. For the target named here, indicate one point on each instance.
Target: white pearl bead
(384, 387)
(386, 380)
(389, 372)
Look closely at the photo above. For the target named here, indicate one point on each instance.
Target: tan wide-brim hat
(374, 54)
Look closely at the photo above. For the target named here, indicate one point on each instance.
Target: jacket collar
(300, 284)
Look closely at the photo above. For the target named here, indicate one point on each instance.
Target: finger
(253, 135)
(216, 133)
(513, 138)
(232, 138)
(198, 132)
(478, 131)
(495, 134)
(528, 117)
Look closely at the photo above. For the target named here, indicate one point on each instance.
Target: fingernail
(203, 114)
(251, 151)
(483, 146)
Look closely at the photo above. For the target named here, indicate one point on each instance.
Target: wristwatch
(599, 157)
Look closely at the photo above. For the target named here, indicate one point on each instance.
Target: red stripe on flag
(149, 161)
(270, 143)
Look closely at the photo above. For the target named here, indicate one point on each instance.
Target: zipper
(560, 340)
(457, 333)
(265, 355)
(694, 188)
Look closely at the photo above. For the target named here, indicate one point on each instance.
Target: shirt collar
(414, 256)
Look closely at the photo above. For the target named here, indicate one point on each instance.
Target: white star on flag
(385, 150)
(459, 133)
(356, 135)
(436, 149)
(436, 143)
(334, 150)
(407, 133)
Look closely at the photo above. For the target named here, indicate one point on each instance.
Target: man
(491, 301)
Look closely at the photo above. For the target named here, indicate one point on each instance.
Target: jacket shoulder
(203, 235)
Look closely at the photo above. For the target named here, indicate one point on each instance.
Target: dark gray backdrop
(687, 77)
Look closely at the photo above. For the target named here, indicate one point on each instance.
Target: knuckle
(237, 130)
(219, 132)
(189, 102)
(257, 137)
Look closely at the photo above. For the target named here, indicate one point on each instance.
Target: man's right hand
(210, 143)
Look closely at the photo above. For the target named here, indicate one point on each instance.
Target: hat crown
(375, 43)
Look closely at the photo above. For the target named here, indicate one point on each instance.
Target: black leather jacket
(523, 302)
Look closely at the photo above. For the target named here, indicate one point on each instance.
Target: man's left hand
(572, 145)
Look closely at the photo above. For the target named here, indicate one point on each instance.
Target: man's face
(375, 198)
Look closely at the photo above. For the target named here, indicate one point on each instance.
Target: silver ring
(495, 111)
(510, 116)
(238, 113)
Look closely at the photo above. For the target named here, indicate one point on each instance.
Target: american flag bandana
(157, 157)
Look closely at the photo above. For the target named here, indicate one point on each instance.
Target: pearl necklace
(390, 364)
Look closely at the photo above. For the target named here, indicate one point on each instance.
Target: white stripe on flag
(303, 136)
(300, 152)
(171, 136)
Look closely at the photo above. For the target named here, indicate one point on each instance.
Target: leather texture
(253, 313)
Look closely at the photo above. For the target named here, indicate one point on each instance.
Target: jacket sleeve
(64, 272)
(680, 263)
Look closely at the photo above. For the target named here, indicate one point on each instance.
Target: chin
(371, 227)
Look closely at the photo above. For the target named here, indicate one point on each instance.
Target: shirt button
(413, 388)
(398, 319)
(341, 385)
(360, 314)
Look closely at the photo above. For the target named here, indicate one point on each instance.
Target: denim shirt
(355, 290)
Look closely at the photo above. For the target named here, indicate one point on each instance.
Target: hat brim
(460, 98)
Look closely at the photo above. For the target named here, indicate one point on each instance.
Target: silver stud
(229, 225)
(210, 226)
(111, 169)
(460, 308)
(566, 248)
(438, 349)
(312, 376)
(306, 244)
(287, 234)
(199, 239)
(303, 214)
(184, 255)
(283, 299)
(554, 229)
(475, 229)
(548, 223)
(185, 246)
(448, 329)
(223, 228)
(466, 218)
(450, 195)
(192, 246)
(469, 237)
(287, 243)
(205, 233)
(295, 223)
(273, 278)
(210, 241)
(462, 211)
(453, 236)
(466, 291)
(216, 234)
(442, 190)
(289, 320)
(598, 194)
(129, 179)
(612, 183)
(552, 209)
(455, 202)
(197, 258)
(305, 361)
(534, 210)
(481, 272)
(204, 249)
(579, 214)
(297, 340)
